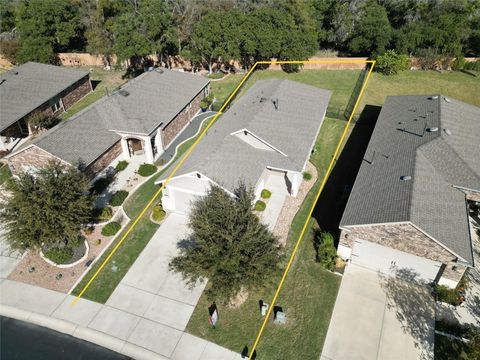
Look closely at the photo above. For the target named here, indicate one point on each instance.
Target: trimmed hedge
(106, 213)
(59, 256)
(111, 228)
(147, 170)
(100, 185)
(122, 165)
(265, 194)
(307, 176)
(260, 205)
(118, 198)
(158, 214)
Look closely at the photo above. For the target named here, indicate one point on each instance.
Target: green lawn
(111, 275)
(4, 173)
(101, 79)
(308, 294)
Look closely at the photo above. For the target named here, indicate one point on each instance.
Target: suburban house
(408, 208)
(32, 88)
(265, 140)
(139, 120)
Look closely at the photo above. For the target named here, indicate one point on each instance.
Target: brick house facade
(103, 161)
(407, 238)
(173, 128)
(32, 157)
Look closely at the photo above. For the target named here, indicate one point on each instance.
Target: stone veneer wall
(182, 119)
(34, 157)
(75, 92)
(104, 160)
(406, 238)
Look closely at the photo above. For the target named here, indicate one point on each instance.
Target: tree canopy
(228, 244)
(216, 32)
(47, 208)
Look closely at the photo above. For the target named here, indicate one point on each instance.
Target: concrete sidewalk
(144, 318)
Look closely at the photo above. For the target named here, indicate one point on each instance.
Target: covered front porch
(142, 147)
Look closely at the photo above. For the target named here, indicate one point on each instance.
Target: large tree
(372, 32)
(228, 244)
(48, 26)
(46, 208)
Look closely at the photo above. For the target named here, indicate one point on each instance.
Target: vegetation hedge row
(122, 165)
(118, 198)
(307, 176)
(147, 170)
(158, 214)
(260, 205)
(59, 256)
(111, 228)
(265, 194)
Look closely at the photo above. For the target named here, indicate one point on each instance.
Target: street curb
(96, 337)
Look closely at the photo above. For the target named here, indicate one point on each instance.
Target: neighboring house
(265, 139)
(421, 166)
(141, 119)
(31, 88)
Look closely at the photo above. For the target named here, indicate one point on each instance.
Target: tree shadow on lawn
(331, 204)
(414, 307)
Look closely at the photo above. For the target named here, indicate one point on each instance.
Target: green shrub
(122, 165)
(449, 296)
(391, 63)
(459, 63)
(260, 205)
(111, 228)
(265, 194)
(307, 176)
(118, 198)
(158, 214)
(147, 170)
(59, 255)
(106, 213)
(206, 101)
(472, 65)
(100, 185)
(324, 245)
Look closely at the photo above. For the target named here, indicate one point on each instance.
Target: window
(56, 106)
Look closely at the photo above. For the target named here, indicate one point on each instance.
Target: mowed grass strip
(308, 294)
(114, 271)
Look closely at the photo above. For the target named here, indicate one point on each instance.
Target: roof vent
(124, 93)
(446, 99)
(158, 70)
(448, 132)
(263, 99)
(405, 177)
(432, 129)
(15, 72)
(433, 97)
(275, 103)
(2, 81)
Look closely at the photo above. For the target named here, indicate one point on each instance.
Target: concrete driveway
(380, 317)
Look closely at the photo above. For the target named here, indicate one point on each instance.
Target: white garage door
(393, 262)
(182, 201)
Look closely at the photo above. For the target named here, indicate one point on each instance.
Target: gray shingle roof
(154, 97)
(26, 87)
(291, 129)
(435, 160)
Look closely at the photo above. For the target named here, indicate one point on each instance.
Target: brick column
(125, 151)
(2, 144)
(148, 149)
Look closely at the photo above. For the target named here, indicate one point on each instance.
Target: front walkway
(380, 317)
(144, 318)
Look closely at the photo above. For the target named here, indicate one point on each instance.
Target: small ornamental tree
(391, 63)
(228, 245)
(46, 209)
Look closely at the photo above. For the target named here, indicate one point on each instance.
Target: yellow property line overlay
(137, 219)
(330, 166)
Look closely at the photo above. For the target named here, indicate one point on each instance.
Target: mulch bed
(47, 276)
(292, 204)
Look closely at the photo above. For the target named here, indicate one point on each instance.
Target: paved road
(24, 341)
